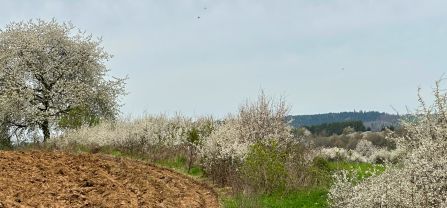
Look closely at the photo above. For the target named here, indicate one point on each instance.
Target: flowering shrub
(224, 143)
(264, 120)
(226, 148)
(419, 179)
(148, 135)
(338, 154)
(158, 130)
(223, 151)
(383, 155)
(365, 148)
(350, 141)
(334, 153)
(365, 151)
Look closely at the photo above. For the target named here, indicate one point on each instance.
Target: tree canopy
(49, 71)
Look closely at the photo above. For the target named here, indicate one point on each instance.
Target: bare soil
(60, 179)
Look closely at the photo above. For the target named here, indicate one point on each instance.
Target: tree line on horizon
(372, 120)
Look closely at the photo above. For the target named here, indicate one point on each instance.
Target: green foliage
(193, 136)
(264, 168)
(116, 153)
(5, 140)
(193, 141)
(5, 143)
(77, 117)
(321, 163)
(320, 171)
(313, 196)
(196, 171)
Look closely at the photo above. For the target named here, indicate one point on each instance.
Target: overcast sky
(321, 55)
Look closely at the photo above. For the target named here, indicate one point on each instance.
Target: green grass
(309, 198)
(180, 164)
(312, 197)
(116, 153)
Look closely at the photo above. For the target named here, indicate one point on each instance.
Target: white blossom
(47, 69)
(419, 179)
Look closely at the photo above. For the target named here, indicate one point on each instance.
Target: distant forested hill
(371, 119)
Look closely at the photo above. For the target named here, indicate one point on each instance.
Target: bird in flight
(204, 8)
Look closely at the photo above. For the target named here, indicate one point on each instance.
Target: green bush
(193, 140)
(5, 140)
(320, 172)
(5, 143)
(321, 163)
(264, 169)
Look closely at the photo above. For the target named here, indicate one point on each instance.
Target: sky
(320, 55)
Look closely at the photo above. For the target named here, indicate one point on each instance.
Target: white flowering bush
(341, 154)
(382, 155)
(150, 135)
(334, 153)
(224, 143)
(263, 120)
(365, 148)
(364, 152)
(153, 130)
(224, 152)
(419, 179)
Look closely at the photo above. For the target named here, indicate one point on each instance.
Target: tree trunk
(45, 130)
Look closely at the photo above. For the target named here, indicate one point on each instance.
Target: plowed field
(59, 179)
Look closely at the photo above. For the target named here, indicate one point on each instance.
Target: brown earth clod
(60, 179)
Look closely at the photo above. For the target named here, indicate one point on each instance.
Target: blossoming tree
(419, 178)
(47, 70)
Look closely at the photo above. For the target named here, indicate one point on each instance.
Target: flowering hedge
(419, 179)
